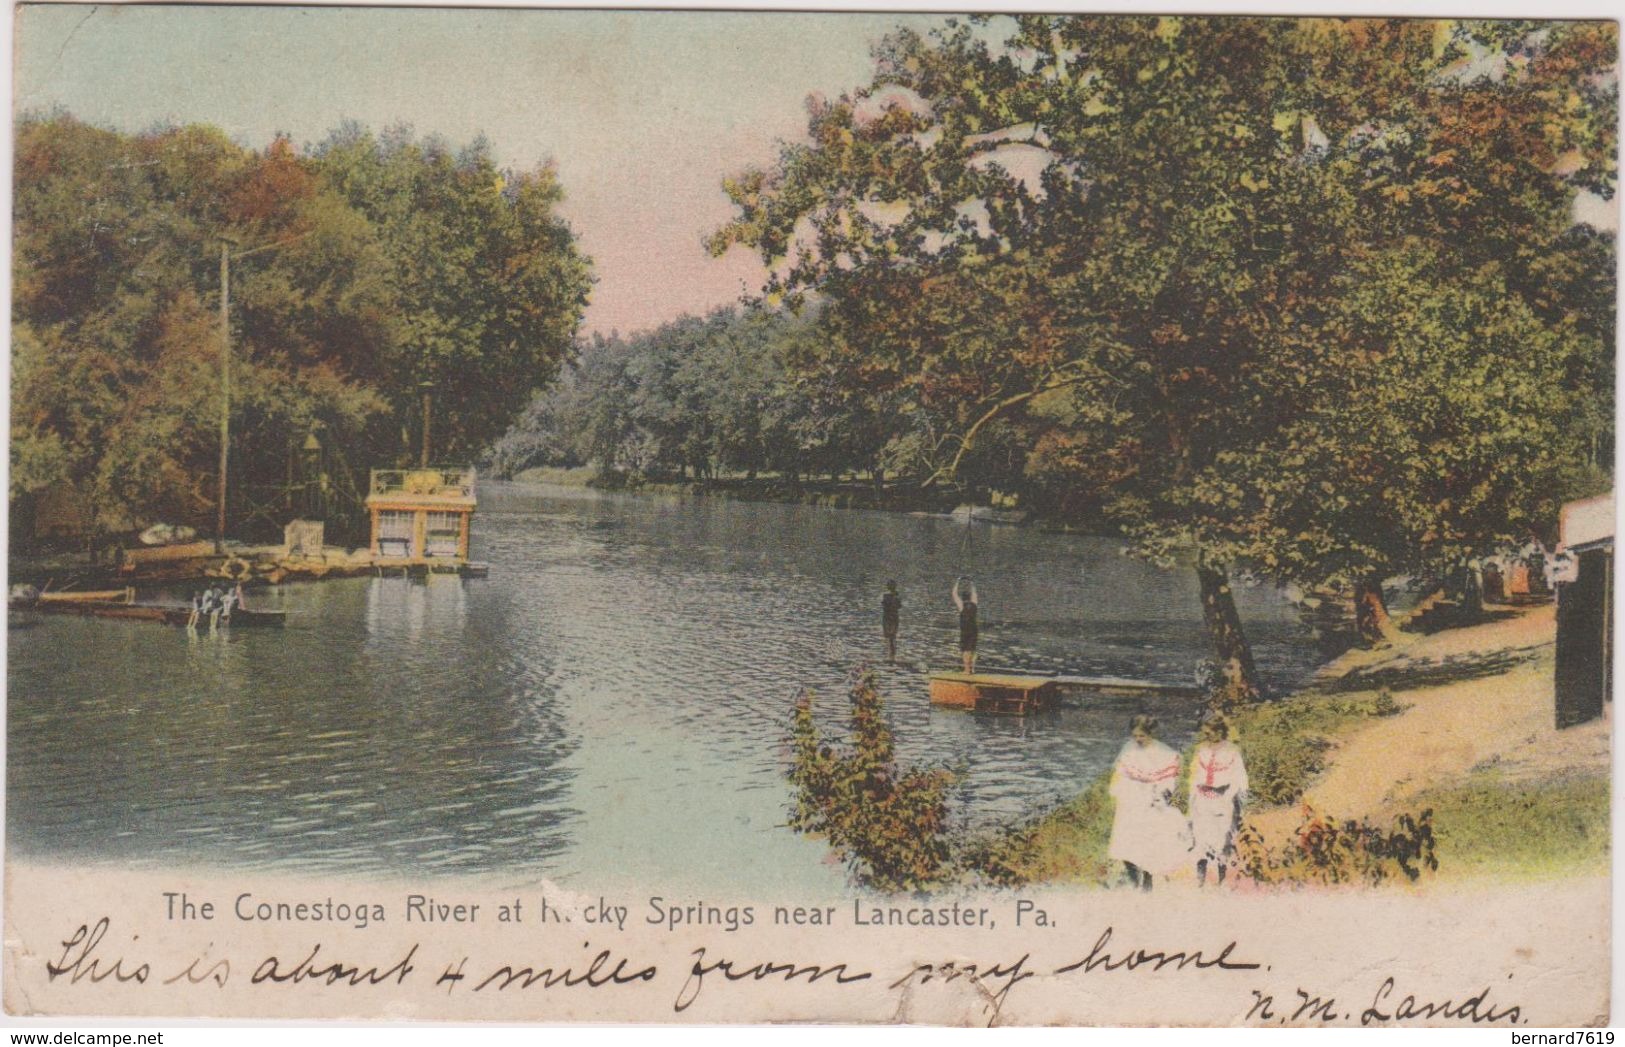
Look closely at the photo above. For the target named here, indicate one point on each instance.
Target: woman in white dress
(1218, 786)
(1148, 832)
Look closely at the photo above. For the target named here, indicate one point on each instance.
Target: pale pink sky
(643, 112)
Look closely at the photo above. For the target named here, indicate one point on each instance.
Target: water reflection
(611, 704)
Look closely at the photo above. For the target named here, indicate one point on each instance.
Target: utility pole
(226, 244)
(225, 393)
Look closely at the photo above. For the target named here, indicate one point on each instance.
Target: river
(608, 707)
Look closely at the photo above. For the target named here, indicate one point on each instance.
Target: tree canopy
(368, 266)
(1194, 265)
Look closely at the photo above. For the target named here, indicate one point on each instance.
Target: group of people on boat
(965, 601)
(214, 604)
(1151, 836)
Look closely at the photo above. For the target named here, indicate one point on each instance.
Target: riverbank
(198, 563)
(1457, 725)
(826, 494)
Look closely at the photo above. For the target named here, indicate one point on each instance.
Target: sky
(644, 113)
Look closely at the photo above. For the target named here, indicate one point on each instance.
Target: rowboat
(88, 596)
(164, 614)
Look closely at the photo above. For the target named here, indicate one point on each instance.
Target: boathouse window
(445, 534)
(395, 533)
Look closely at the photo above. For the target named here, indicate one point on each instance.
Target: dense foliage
(887, 822)
(1303, 297)
(738, 391)
(367, 266)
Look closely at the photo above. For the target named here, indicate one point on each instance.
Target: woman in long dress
(1218, 786)
(1148, 832)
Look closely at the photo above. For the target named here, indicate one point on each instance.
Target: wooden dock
(1006, 694)
(1018, 694)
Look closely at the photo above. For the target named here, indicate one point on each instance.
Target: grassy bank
(1441, 744)
(1493, 825)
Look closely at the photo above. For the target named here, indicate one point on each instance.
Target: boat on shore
(88, 596)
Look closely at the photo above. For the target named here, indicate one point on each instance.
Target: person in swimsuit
(965, 600)
(891, 609)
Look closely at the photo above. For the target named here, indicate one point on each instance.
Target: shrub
(1281, 760)
(888, 823)
(1332, 851)
(1384, 704)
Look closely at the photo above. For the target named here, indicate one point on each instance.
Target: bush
(889, 824)
(1331, 851)
(1282, 757)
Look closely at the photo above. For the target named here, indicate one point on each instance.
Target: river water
(608, 707)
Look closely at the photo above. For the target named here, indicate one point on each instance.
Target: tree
(489, 284)
(1177, 201)
(1129, 271)
(115, 390)
(360, 271)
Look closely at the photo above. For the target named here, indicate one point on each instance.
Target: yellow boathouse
(421, 516)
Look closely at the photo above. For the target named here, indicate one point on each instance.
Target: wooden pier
(1018, 694)
(1007, 694)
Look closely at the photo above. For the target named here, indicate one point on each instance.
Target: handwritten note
(218, 947)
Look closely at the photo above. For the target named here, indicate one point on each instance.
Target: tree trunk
(1371, 619)
(1231, 651)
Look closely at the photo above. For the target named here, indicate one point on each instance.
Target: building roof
(1588, 523)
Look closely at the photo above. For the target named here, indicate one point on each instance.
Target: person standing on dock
(197, 610)
(891, 610)
(1218, 786)
(965, 600)
(1149, 835)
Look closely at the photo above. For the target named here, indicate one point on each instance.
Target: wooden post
(462, 537)
(420, 534)
(427, 389)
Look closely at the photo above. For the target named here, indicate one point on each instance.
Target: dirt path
(1471, 697)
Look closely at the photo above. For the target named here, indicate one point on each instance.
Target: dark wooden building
(1585, 609)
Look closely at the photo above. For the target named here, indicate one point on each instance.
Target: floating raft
(1017, 694)
(1007, 694)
